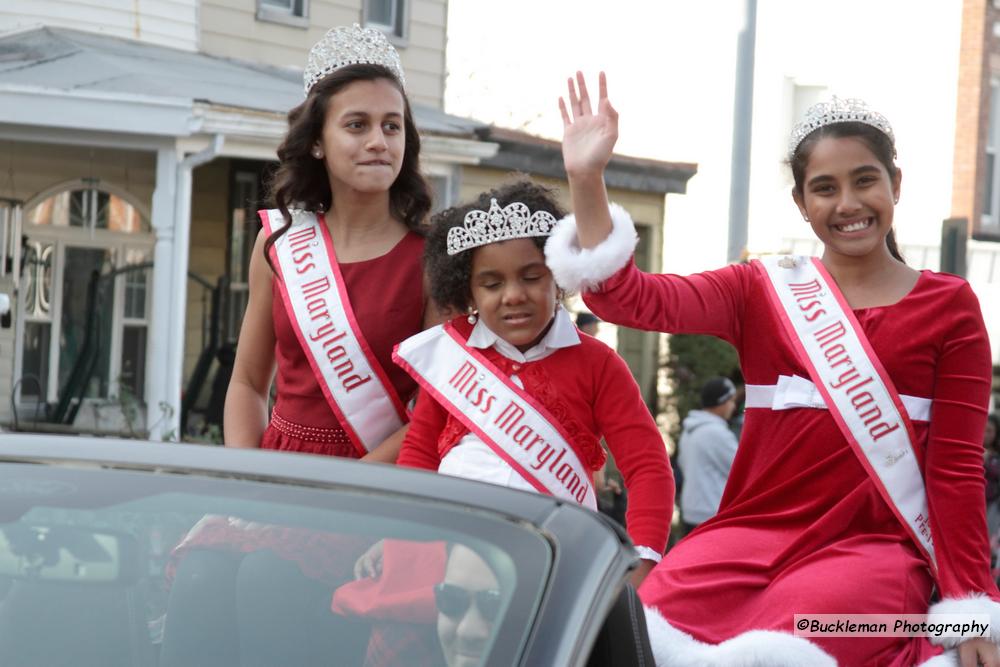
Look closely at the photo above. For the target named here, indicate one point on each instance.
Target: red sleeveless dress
(387, 296)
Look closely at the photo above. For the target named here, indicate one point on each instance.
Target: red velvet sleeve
(636, 443)
(954, 457)
(703, 303)
(419, 449)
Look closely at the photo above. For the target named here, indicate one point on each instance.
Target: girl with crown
(335, 276)
(335, 282)
(512, 393)
(858, 484)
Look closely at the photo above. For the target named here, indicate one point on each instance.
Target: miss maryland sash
(855, 387)
(511, 423)
(315, 296)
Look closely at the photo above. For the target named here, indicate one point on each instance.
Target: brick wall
(979, 61)
(971, 113)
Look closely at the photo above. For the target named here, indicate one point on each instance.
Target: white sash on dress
(793, 391)
(315, 296)
(506, 418)
(853, 384)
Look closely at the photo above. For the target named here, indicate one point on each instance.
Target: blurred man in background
(706, 450)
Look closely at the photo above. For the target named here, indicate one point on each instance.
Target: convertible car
(102, 544)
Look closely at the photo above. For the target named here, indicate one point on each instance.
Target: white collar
(561, 334)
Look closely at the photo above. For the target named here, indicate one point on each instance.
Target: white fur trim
(947, 659)
(671, 647)
(757, 648)
(976, 603)
(648, 553)
(575, 268)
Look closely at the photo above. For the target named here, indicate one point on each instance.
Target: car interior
(623, 640)
(67, 619)
(91, 577)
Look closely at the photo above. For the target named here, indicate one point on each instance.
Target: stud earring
(317, 153)
(473, 315)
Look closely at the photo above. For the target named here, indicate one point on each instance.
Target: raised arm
(591, 250)
(588, 142)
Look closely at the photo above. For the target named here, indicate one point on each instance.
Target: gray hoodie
(706, 451)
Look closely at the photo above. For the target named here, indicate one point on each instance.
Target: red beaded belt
(310, 433)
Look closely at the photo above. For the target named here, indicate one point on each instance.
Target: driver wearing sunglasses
(468, 602)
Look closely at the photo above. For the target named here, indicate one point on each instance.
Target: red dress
(801, 527)
(387, 296)
(591, 391)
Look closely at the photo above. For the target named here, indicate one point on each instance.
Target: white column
(176, 327)
(159, 401)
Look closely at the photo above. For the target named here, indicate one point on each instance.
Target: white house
(135, 144)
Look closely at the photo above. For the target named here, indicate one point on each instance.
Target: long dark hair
(301, 181)
(877, 142)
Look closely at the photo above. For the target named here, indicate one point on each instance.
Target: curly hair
(301, 180)
(877, 142)
(450, 276)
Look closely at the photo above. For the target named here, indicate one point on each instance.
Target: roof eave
(96, 111)
(544, 157)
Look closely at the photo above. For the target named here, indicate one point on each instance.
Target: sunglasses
(454, 601)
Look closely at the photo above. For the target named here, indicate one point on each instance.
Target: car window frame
(478, 526)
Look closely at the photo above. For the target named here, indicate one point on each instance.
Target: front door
(83, 313)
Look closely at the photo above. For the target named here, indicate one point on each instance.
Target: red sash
(506, 418)
(354, 383)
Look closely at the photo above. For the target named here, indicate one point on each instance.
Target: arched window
(89, 208)
(85, 283)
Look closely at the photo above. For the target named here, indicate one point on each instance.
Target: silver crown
(352, 45)
(513, 221)
(838, 111)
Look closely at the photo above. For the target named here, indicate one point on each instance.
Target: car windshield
(129, 567)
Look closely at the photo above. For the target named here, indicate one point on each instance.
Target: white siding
(230, 28)
(424, 58)
(171, 23)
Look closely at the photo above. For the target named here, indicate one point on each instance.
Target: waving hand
(588, 137)
(588, 143)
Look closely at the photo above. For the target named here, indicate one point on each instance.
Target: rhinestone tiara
(350, 45)
(513, 221)
(838, 111)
